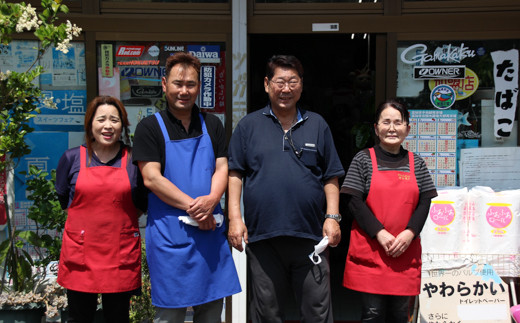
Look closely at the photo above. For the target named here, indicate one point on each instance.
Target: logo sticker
(129, 51)
(443, 96)
(154, 51)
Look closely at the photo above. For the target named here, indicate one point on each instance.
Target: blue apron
(188, 266)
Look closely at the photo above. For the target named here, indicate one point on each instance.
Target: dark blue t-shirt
(283, 173)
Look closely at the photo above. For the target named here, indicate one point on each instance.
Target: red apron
(101, 249)
(393, 197)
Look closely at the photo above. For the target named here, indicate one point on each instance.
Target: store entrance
(339, 85)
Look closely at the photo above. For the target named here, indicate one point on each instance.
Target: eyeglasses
(279, 84)
(388, 124)
(288, 137)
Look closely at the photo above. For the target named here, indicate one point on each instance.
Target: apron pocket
(73, 248)
(129, 248)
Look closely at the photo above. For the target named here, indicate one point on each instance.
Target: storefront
(355, 54)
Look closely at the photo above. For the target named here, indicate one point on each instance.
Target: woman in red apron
(389, 191)
(98, 186)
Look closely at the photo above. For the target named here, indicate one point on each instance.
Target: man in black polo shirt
(285, 160)
(181, 153)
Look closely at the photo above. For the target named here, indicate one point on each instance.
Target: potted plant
(141, 308)
(22, 282)
(35, 291)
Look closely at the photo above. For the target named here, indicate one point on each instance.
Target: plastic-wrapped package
(446, 229)
(497, 220)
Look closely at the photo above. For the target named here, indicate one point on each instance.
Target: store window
(172, 1)
(55, 130)
(464, 95)
(132, 72)
(313, 1)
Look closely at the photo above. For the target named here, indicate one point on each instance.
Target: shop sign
(142, 73)
(205, 53)
(144, 62)
(443, 96)
(505, 72)
(207, 88)
(439, 72)
(129, 51)
(448, 54)
(146, 91)
(470, 294)
(69, 114)
(173, 48)
(107, 64)
(464, 88)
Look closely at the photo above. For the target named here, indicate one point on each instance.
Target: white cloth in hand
(219, 218)
(319, 248)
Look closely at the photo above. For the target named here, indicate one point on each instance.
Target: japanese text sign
(505, 73)
(470, 294)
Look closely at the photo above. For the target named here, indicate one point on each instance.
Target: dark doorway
(338, 84)
(338, 79)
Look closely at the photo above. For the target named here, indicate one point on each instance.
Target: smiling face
(391, 129)
(181, 87)
(106, 125)
(284, 97)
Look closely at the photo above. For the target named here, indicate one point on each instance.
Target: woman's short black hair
(405, 114)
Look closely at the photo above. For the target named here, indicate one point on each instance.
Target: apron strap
(82, 157)
(163, 127)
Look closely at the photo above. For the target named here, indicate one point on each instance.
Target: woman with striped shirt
(389, 190)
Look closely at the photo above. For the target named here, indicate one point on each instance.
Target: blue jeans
(385, 308)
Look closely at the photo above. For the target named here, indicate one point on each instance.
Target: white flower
(4, 76)
(71, 30)
(48, 102)
(28, 20)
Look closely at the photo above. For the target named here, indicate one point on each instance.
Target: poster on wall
(433, 136)
(462, 75)
(64, 70)
(138, 67)
(18, 56)
(46, 150)
(64, 80)
(68, 114)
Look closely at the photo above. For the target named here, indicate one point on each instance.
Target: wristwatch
(336, 217)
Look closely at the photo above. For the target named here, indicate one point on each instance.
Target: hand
(385, 239)
(237, 231)
(401, 243)
(332, 230)
(209, 223)
(201, 208)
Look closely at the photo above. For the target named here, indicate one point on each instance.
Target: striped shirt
(359, 177)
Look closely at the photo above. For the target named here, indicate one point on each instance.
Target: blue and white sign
(46, 150)
(205, 53)
(69, 115)
(207, 87)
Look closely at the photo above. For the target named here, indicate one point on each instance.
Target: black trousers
(82, 306)
(385, 308)
(280, 267)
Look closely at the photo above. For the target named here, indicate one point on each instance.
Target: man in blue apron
(181, 153)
